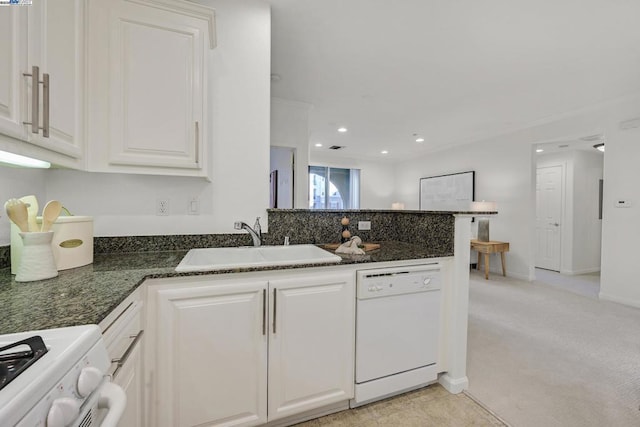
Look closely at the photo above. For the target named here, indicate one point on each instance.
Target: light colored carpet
(583, 284)
(541, 356)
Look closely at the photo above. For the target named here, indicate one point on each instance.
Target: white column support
(455, 379)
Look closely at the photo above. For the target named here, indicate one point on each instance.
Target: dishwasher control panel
(385, 282)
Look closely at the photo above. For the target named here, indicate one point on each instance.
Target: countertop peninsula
(85, 295)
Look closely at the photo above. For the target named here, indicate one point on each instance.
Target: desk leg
(486, 266)
(479, 259)
(504, 265)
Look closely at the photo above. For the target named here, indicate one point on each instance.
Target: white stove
(64, 386)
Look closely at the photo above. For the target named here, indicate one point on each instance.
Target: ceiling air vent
(592, 138)
(336, 147)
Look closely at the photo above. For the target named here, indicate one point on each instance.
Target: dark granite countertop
(85, 295)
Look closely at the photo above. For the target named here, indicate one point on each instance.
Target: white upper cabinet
(13, 64)
(148, 86)
(44, 110)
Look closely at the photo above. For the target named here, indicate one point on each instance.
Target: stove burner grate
(13, 364)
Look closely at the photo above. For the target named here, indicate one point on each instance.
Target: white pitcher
(37, 261)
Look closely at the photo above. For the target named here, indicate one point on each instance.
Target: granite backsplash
(432, 229)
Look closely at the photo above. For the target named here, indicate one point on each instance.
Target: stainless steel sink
(210, 259)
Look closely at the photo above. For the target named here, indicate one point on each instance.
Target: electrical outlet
(162, 207)
(364, 225)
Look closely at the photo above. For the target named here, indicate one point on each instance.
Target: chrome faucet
(255, 232)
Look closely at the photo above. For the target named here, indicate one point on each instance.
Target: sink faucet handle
(257, 227)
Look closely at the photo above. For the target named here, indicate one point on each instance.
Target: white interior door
(548, 217)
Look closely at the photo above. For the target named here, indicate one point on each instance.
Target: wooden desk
(488, 248)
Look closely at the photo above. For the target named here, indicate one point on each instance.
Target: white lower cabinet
(130, 378)
(248, 349)
(208, 353)
(311, 345)
(123, 335)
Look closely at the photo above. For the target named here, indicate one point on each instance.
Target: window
(334, 188)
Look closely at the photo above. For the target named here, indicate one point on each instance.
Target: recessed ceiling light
(318, 145)
(384, 152)
(421, 139)
(539, 150)
(342, 129)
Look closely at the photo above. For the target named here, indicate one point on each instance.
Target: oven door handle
(114, 400)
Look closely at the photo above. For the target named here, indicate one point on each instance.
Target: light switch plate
(194, 206)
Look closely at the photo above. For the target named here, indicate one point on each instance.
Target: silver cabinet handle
(555, 224)
(45, 105)
(197, 142)
(264, 312)
(274, 309)
(122, 360)
(35, 98)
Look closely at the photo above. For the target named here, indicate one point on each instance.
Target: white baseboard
(616, 299)
(498, 272)
(522, 276)
(584, 271)
(453, 385)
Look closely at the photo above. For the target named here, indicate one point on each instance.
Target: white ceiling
(452, 71)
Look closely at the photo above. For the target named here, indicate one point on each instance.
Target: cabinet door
(129, 377)
(156, 82)
(210, 353)
(13, 51)
(311, 347)
(55, 46)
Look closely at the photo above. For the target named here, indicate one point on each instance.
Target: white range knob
(426, 281)
(63, 412)
(88, 380)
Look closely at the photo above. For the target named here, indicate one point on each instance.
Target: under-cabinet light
(18, 160)
(599, 147)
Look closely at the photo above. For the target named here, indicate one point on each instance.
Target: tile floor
(429, 406)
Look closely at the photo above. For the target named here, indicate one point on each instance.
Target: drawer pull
(264, 312)
(122, 360)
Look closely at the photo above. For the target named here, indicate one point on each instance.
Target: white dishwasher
(397, 330)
